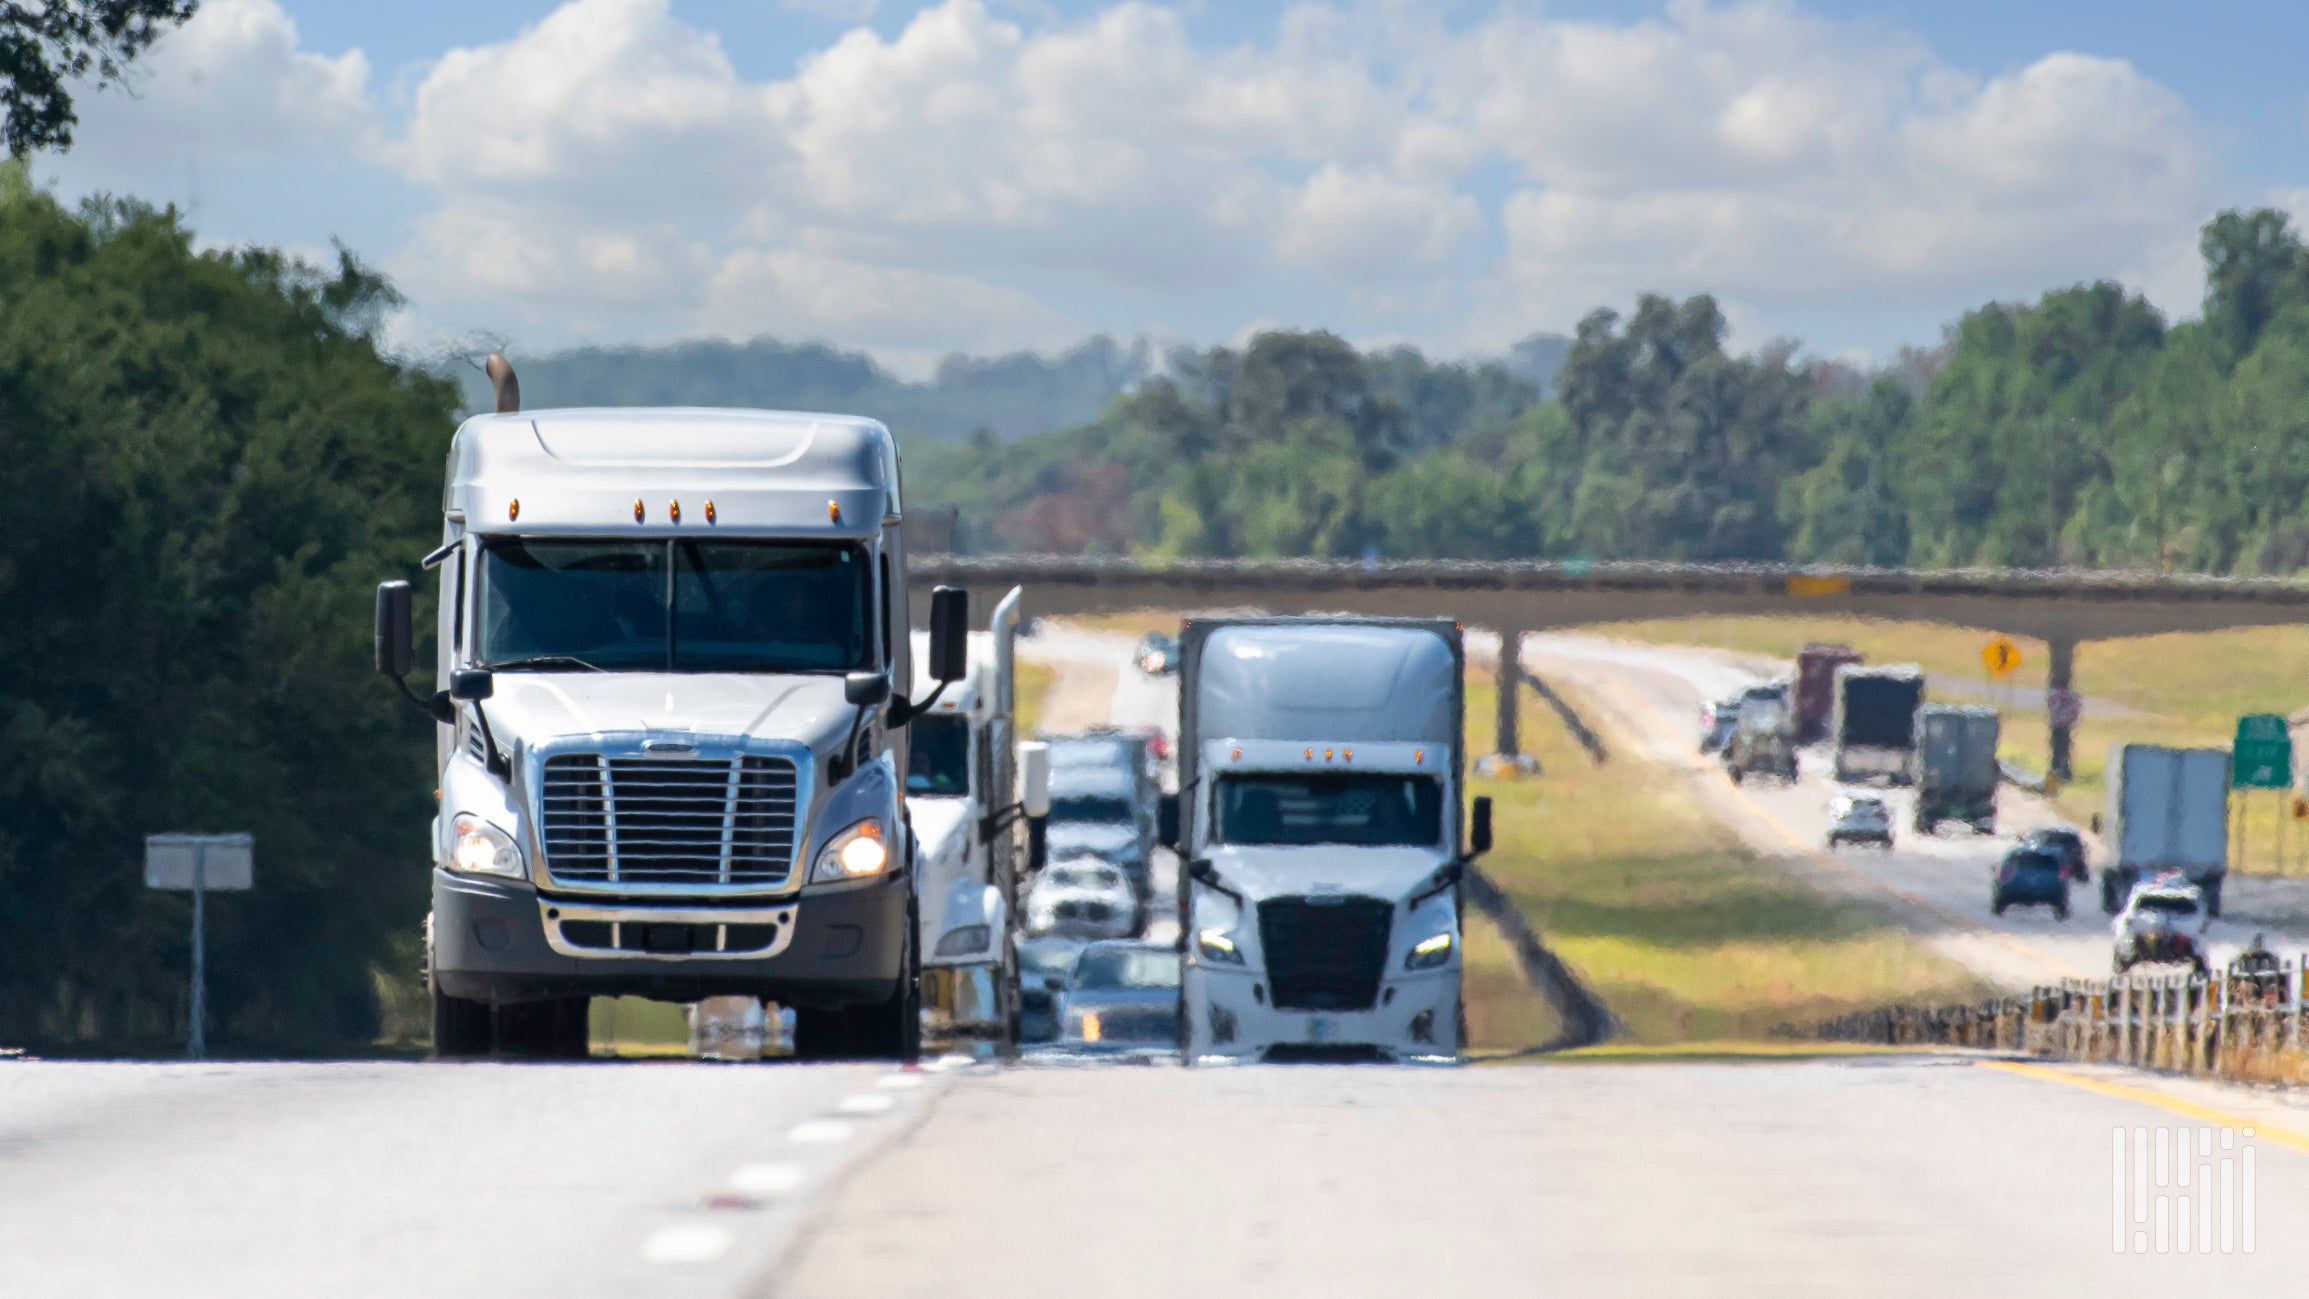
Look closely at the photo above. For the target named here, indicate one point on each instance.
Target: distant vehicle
(2168, 811)
(1121, 998)
(1717, 722)
(1107, 813)
(2027, 877)
(1762, 742)
(1955, 768)
(1044, 965)
(1158, 654)
(1083, 897)
(1874, 722)
(1859, 818)
(2161, 922)
(1816, 688)
(2064, 843)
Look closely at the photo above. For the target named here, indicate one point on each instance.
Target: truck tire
(889, 1029)
(544, 1030)
(462, 1030)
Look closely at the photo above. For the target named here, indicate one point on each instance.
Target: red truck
(1816, 688)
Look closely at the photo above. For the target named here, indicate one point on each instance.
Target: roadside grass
(2184, 688)
(1684, 933)
(1033, 681)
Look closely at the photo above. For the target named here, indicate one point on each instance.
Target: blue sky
(913, 178)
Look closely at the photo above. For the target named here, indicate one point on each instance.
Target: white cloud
(977, 178)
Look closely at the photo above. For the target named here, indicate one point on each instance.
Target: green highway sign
(2262, 757)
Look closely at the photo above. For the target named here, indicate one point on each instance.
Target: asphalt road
(1938, 884)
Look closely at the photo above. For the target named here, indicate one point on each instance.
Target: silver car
(1859, 818)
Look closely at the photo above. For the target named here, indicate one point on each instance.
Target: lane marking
(688, 1242)
(1803, 845)
(820, 1132)
(899, 1081)
(865, 1103)
(767, 1181)
(2258, 1129)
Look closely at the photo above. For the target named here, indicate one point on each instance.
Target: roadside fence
(2244, 1025)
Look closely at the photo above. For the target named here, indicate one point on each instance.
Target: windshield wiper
(545, 662)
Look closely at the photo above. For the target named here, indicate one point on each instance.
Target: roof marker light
(1349, 755)
(513, 511)
(709, 509)
(637, 511)
(1419, 755)
(833, 511)
(1310, 755)
(673, 510)
(1326, 755)
(1238, 755)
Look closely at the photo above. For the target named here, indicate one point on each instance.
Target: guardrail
(2229, 1024)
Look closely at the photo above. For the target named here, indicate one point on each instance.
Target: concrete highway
(1862, 1175)
(1937, 884)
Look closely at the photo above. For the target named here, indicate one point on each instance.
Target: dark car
(2065, 844)
(2029, 877)
(1122, 998)
(1043, 967)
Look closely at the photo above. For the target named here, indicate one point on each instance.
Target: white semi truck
(975, 796)
(1319, 817)
(671, 674)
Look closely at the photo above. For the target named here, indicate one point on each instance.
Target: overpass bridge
(2060, 607)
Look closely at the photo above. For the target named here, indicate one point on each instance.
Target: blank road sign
(230, 860)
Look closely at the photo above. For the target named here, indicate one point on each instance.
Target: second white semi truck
(1320, 822)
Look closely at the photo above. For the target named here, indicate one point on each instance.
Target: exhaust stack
(507, 384)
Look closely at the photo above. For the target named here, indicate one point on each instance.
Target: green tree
(47, 45)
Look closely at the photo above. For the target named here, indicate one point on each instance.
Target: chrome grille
(682, 821)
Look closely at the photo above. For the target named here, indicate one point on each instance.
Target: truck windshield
(938, 757)
(1090, 807)
(1120, 967)
(674, 606)
(1332, 807)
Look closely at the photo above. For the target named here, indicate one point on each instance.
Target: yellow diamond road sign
(2001, 656)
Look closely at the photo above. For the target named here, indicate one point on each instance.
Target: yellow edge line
(2262, 1130)
(1806, 847)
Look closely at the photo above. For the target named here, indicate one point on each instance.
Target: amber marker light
(673, 510)
(1238, 755)
(1310, 755)
(709, 511)
(513, 511)
(1419, 756)
(637, 510)
(833, 511)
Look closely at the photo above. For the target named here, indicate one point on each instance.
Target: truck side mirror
(396, 632)
(472, 685)
(1479, 827)
(1167, 821)
(949, 633)
(1034, 778)
(866, 689)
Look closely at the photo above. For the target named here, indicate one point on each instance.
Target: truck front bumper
(500, 941)
(1227, 1015)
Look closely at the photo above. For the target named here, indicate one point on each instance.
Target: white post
(196, 1046)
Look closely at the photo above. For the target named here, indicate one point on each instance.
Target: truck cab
(1319, 817)
(671, 680)
(964, 800)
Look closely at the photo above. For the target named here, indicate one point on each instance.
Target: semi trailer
(1955, 766)
(2168, 814)
(1320, 822)
(1873, 722)
(671, 676)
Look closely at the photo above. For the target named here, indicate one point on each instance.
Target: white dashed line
(689, 1242)
(767, 1180)
(899, 1082)
(865, 1103)
(820, 1132)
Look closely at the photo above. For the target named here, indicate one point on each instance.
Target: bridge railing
(2245, 1026)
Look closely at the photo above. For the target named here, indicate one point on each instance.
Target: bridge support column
(1508, 757)
(2056, 686)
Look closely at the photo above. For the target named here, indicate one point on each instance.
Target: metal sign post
(199, 862)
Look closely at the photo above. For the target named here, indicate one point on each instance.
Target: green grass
(1684, 933)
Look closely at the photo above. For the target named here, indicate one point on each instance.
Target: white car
(1859, 818)
(2163, 921)
(1082, 897)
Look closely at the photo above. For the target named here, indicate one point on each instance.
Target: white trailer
(1319, 817)
(2168, 811)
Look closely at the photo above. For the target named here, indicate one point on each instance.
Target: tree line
(2079, 430)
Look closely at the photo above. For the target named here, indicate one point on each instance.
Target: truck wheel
(544, 1030)
(1997, 906)
(461, 1029)
(2212, 891)
(890, 1029)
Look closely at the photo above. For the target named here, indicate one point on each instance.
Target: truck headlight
(1217, 948)
(1429, 954)
(479, 848)
(854, 853)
